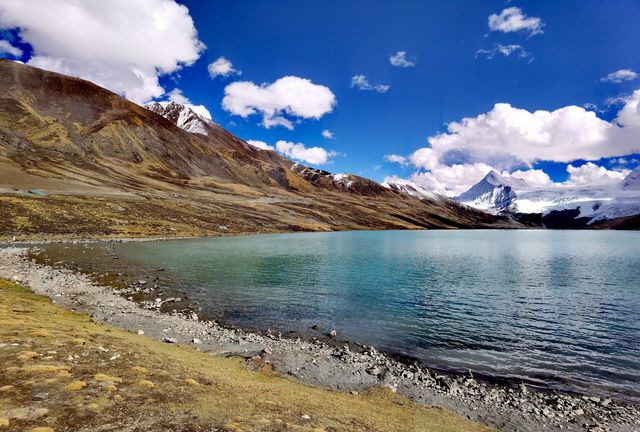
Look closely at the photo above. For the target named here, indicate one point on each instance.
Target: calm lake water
(553, 308)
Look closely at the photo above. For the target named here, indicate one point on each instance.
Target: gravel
(349, 367)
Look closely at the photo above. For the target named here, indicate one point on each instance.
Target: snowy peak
(194, 119)
(495, 179)
(412, 189)
(493, 192)
(632, 181)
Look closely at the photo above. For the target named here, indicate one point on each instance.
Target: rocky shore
(346, 367)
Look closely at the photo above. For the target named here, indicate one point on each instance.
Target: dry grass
(87, 376)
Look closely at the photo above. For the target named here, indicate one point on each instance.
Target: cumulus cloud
(361, 82)
(533, 177)
(592, 174)
(222, 68)
(504, 50)
(395, 158)
(177, 96)
(327, 134)
(399, 59)
(288, 97)
(512, 19)
(506, 138)
(298, 151)
(7, 48)
(620, 76)
(123, 45)
(260, 144)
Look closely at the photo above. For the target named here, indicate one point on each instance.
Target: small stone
(333, 334)
(391, 387)
(578, 411)
(40, 396)
(170, 340)
(196, 341)
(140, 332)
(142, 282)
(375, 371)
(192, 382)
(523, 388)
(606, 402)
(353, 392)
(306, 417)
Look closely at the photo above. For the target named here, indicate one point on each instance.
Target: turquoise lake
(558, 309)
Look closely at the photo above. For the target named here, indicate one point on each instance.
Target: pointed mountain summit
(494, 192)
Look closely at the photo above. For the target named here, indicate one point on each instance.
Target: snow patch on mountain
(632, 181)
(411, 188)
(191, 118)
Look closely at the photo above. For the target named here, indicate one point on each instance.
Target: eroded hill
(77, 160)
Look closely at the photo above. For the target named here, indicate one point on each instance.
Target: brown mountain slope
(104, 166)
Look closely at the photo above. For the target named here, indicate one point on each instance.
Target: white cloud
(298, 151)
(506, 138)
(512, 19)
(327, 134)
(260, 144)
(291, 96)
(620, 76)
(504, 50)
(361, 82)
(176, 96)
(395, 158)
(399, 59)
(223, 68)
(123, 45)
(592, 174)
(533, 177)
(7, 48)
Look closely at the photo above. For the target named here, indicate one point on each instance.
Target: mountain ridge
(109, 167)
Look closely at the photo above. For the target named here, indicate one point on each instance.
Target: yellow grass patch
(219, 393)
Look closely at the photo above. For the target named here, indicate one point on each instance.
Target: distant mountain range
(559, 206)
(78, 160)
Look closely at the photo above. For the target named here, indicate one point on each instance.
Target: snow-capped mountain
(188, 117)
(497, 194)
(410, 188)
(493, 193)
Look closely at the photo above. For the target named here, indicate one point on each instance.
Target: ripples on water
(557, 308)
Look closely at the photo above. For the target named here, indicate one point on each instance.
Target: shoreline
(503, 406)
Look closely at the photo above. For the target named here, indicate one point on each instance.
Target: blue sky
(557, 64)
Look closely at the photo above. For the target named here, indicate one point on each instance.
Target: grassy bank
(63, 371)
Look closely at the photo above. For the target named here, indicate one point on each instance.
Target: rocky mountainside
(79, 160)
(184, 116)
